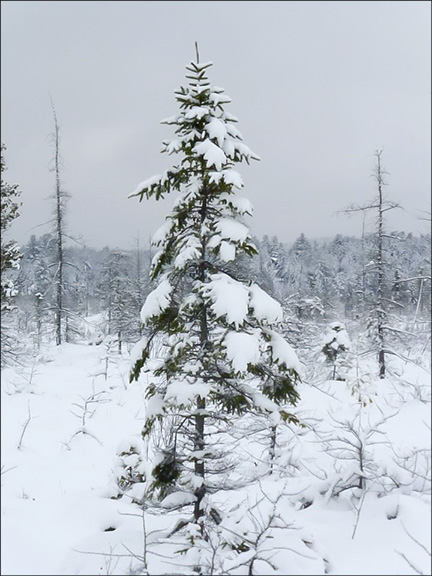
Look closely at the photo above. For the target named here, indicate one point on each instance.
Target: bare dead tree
(380, 266)
(381, 205)
(59, 197)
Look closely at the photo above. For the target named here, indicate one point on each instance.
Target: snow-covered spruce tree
(10, 257)
(10, 253)
(35, 287)
(221, 353)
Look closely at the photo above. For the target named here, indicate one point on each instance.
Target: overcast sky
(317, 88)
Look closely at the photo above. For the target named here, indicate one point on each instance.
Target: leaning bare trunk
(59, 231)
(380, 266)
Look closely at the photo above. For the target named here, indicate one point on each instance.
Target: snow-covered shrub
(335, 344)
(131, 469)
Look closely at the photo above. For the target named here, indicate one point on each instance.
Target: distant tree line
(327, 279)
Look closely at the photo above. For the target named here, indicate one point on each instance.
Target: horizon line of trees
(334, 277)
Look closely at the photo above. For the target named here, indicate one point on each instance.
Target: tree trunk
(199, 417)
(380, 268)
(59, 232)
(272, 450)
(38, 321)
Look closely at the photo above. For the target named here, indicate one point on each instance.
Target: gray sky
(317, 88)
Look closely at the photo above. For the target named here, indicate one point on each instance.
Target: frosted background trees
(215, 332)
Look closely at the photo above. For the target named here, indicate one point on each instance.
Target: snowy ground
(62, 425)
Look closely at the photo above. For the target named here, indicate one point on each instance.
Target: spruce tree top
(206, 136)
(210, 145)
(9, 193)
